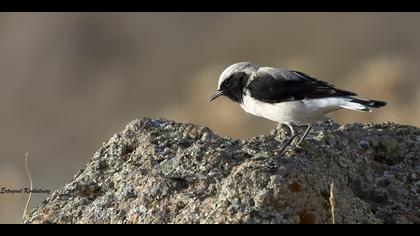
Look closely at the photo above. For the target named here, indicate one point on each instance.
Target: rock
(159, 171)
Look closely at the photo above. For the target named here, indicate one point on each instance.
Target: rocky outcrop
(159, 171)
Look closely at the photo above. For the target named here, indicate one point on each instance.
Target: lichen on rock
(160, 171)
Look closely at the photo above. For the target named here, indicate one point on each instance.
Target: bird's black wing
(276, 85)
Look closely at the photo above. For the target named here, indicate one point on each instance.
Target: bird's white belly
(305, 111)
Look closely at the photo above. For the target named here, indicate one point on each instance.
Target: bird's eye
(226, 83)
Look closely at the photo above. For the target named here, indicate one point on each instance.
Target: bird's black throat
(233, 87)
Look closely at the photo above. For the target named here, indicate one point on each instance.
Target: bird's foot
(298, 147)
(287, 144)
(282, 151)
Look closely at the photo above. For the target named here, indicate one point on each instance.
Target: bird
(289, 97)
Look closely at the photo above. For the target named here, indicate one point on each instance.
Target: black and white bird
(286, 96)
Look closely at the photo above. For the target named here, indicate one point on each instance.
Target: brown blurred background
(69, 81)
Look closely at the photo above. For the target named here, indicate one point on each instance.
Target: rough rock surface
(159, 171)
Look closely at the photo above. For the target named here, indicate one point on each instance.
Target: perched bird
(286, 96)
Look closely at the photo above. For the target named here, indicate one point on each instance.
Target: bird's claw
(298, 147)
(284, 148)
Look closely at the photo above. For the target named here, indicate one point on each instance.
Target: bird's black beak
(217, 94)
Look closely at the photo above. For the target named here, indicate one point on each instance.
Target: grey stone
(160, 171)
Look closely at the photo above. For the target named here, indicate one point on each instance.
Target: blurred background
(69, 81)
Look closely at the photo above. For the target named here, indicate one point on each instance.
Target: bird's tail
(360, 104)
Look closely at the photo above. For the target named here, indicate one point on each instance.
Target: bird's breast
(299, 111)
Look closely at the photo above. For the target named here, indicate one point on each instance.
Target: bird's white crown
(247, 67)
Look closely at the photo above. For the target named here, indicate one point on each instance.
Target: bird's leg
(292, 130)
(293, 134)
(304, 135)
